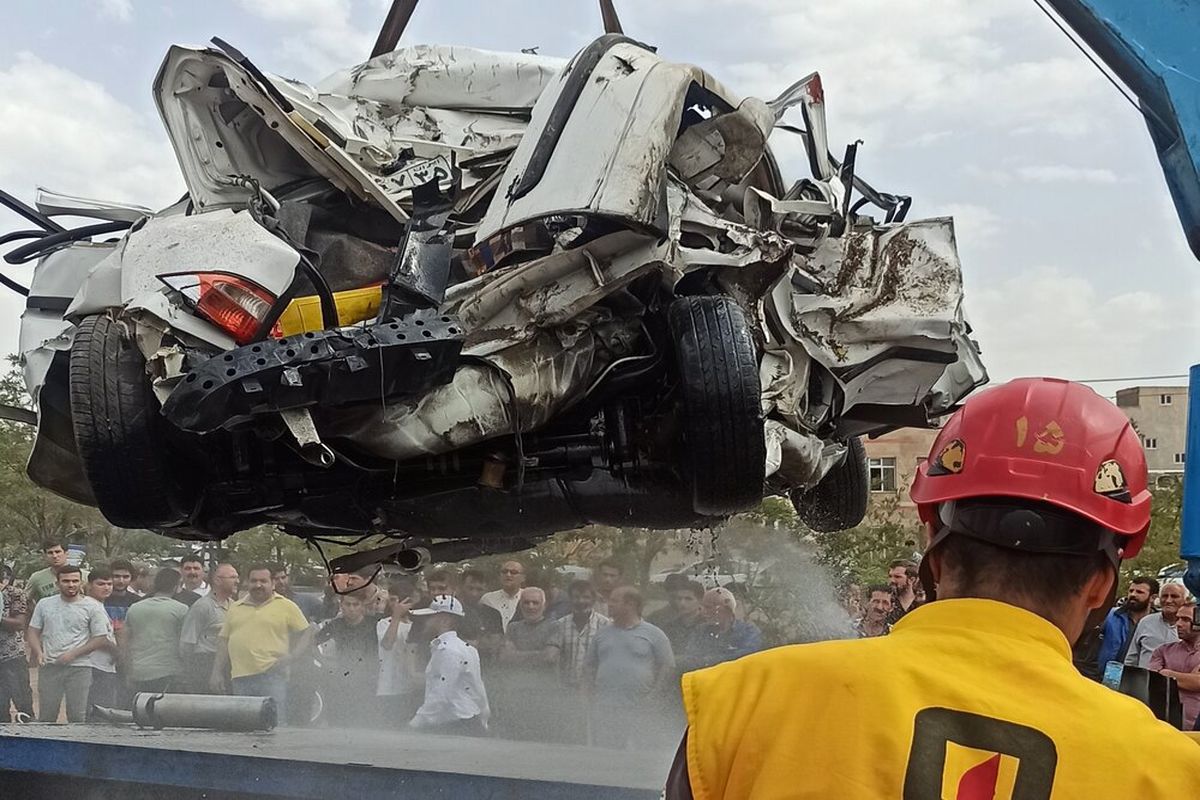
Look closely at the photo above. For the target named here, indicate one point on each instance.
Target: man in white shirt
(455, 699)
(400, 688)
(507, 598)
(65, 631)
(1155, 630)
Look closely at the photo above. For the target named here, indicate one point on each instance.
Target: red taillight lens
(235, 305)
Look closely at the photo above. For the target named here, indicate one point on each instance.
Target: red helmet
(1047, 440)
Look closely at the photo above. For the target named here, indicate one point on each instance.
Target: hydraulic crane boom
(1154, 49)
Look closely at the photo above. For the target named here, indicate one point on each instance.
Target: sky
(1073, 258)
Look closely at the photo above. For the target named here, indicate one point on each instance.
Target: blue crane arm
(1154, 48)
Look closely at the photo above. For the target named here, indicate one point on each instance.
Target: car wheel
(117, 429)
(839, 501)
(724, 455)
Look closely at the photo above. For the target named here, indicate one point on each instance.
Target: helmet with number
(1049, 441)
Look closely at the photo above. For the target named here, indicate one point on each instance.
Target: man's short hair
(191, 558)
(634, 595)
(440, 576)
(1145, 580)
(675, 581)
(120, 564)
(167, 580)
(724, 596)
(882, 588)
(400, 587)
(50, 544)
(531, 590)
(66, 569)
(580, 586)
(986, 569)
(259, 566)
(100, 573)
(277, 568)
(473, 575)
(902, 562)
(611, 564)
(695, 587)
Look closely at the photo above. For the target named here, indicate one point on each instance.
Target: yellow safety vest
(964, 700)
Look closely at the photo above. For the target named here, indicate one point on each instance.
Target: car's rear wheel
(724, 448)
(118, 429)
(839, 501)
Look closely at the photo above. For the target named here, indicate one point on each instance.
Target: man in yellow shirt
(256, 639)
(1032, 494)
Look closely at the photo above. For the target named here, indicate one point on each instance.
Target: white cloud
(67, 133)
(1046, 322)
(312, 12)
(325, 37)
(1060, 173)
(117, 9)
(973, 224)
(895, 72)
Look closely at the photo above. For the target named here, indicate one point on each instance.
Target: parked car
(482, 297)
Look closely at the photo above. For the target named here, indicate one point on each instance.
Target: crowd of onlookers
(443, 652)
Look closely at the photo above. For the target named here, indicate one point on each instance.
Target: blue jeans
(272, 683)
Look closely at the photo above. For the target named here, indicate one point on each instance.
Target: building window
(1164, 400)
(883, 474)
(1150, 443)
(1179, 458)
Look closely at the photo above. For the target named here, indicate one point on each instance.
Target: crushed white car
(477, 298)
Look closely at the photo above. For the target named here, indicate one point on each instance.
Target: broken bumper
(321, 368)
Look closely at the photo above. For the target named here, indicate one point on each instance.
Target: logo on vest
(957, 755)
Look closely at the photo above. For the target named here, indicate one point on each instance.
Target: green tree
(861, 554)
(1162, 542)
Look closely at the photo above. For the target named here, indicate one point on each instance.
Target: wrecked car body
(480, 298)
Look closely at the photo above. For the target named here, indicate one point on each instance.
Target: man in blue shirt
(723, 637)
(1122, 620)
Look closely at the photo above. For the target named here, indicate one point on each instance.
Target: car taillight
(235, 305)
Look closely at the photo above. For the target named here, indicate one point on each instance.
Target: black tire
(839, 501)
(117, 429)
(724, 454)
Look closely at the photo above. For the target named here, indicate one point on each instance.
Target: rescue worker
(1032, 494)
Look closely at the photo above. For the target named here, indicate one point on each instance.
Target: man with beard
(874, 620)
(1181, 660)
(1122, 620)
(122, 596)
(903, 580)
(1158, 628)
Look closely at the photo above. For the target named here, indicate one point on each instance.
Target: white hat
(442, 604)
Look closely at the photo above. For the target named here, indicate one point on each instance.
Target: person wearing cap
(1032, 494)
(455, 699)
(723, 637)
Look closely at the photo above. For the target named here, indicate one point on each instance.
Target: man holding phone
(1181, 660)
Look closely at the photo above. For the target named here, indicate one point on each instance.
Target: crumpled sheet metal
(610, 156)
(548, 373)
(885, 288)
(879, 285)
(446, 76)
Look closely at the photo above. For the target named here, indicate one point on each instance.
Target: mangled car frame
(475, 298)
